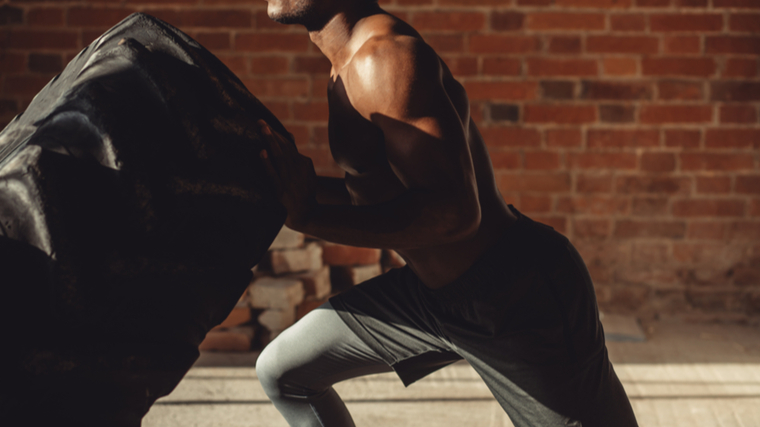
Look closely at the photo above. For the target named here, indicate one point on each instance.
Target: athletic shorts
(524, 316)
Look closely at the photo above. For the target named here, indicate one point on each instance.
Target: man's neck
(336, 38)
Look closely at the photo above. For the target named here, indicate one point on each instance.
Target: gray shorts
(524, 316)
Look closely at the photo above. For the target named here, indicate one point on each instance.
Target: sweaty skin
(418, 178)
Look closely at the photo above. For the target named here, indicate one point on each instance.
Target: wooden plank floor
(684, 375)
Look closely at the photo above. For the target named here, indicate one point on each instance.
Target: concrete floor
(694, 375)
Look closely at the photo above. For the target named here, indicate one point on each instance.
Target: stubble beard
(298, 14)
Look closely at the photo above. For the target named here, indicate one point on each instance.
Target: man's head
(309, 13)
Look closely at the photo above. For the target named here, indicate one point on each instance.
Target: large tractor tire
(133, 206)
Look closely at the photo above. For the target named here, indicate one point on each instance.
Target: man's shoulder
(396, 52)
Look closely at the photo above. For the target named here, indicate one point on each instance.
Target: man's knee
(269, 371)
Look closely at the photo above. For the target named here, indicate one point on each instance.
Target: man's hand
(293, 175)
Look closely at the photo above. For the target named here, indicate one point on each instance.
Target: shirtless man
(482, 282)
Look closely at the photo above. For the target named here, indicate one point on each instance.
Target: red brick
(502, 66)
(24, 84)
(214, 41)
(262, 22)
(676, 113)
(465, 66)
(738, 114)
(682, 138)
(682, 44)
(713, 184)
(561, 67)
(285, 87)
(593, 205)
(591, 228)
(652, 3)
(310, 111)
(535, 204)
(501, 44)
(601, 4)
(11, 63)
(607, 138)
(561, 44)
(501, 90)
(733, 138)
(680, 90)
(628, 22)
(733, 44)
(748, 184)
(96, 17)
(45, 17)
(716, 161)
(602, 160)
(733, 91)
(311, 64)
(508, 136)
(45, 63)
(706, 230)
(551, 21)
(535, 2)
(238, 64)
(658, 162)
(686, 22)
(736, 3)
(692, 67)
(617, 113)
(616, 90)
(740, 67)
(39, 39)
(744, 230)
(564, 138)
(745, 22)
(653, 184)
(586, 183)
(691, 3)
(264, 42)
(538, 182)
(564, 114)
(506, 21)
(649, 206)
(542, 160)
(627, 229)
(449, 21)
(709, 208)
(622, 44)
(754, 209)
(505, 159)
(620, 66)
(445, 42)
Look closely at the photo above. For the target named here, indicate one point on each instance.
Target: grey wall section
(132, 207)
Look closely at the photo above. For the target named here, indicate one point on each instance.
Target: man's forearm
(332, 191)
(415, 219)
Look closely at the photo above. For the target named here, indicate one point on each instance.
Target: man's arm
(396, 84)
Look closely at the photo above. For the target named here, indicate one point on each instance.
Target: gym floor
(676, 374)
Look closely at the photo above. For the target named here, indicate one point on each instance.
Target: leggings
(297, 369)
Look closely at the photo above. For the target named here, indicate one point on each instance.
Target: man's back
(377, 71)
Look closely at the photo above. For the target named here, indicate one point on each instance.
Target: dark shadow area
(133, 206)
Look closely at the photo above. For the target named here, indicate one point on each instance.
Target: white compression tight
(297, 369)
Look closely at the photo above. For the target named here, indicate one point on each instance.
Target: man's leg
(297, 369)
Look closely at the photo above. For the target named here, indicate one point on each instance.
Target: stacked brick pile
(297, 276)
(632, 126)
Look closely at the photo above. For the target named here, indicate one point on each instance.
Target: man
(482, 281)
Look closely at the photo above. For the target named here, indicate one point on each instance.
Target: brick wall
(629, 125)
